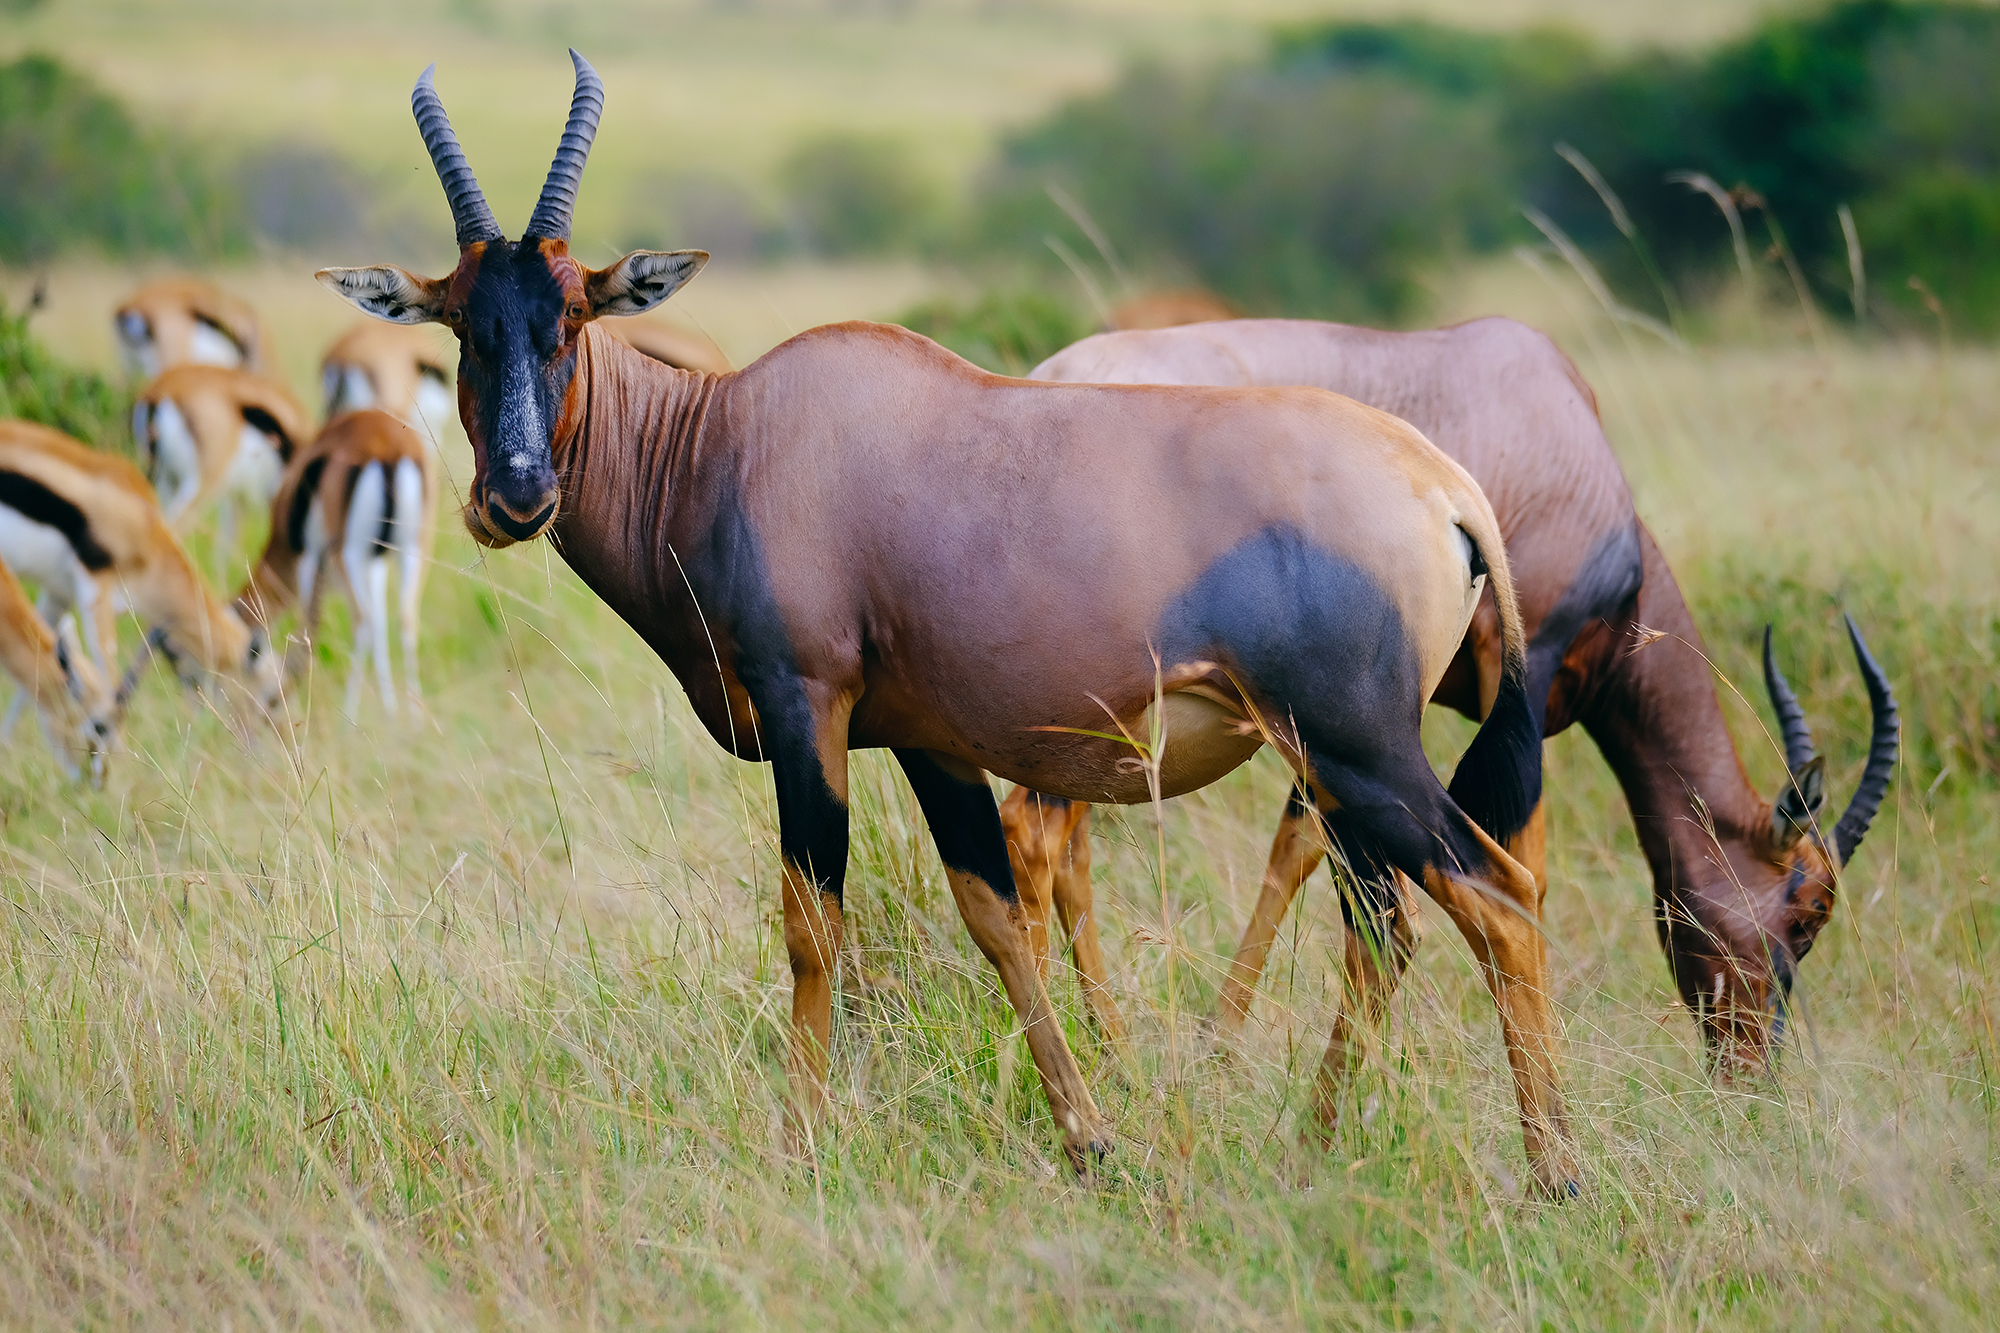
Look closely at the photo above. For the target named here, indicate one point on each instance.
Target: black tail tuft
(1499, 781)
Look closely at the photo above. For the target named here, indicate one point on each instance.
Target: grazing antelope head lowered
(517, 308)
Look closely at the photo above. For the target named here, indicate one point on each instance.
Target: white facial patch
(523, 412)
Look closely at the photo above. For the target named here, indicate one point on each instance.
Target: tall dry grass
(476, 1019)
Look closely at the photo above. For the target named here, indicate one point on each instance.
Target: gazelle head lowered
(517, 308)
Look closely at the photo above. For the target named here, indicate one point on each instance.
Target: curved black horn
(1860, 812)
(469, 213)
(1791, 718)
(552, 210)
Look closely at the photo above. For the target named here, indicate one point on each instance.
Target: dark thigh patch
(964, 822)
(1314, 635)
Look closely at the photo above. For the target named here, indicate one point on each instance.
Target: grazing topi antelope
(183, 321)
(1741, 885)
(363, 492)
(208, 433)
(863, 541)
(393, 367)
(73, 699)
(85, 526)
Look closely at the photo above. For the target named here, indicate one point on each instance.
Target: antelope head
(1736, 941)
(517, 308)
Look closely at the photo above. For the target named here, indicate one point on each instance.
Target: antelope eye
(454, 317)
(575, 311)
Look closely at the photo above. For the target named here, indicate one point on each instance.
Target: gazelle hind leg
(408, 539)
(366, 577)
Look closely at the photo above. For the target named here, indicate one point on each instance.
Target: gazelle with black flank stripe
(862, 541)
(73, 699)
(394, 367)
(184, 321)
(85, 526)
(361, 495)
(209, 435)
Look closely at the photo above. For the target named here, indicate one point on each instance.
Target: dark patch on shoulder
(302, 498)
(1606, 582)
(258, 419)
(39, 504)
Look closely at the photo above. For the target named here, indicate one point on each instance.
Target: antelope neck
(1658, 722)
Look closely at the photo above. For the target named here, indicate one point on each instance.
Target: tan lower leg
(812, 941)
(1002, 932)
(1531, 848)
(1509, 946)
(1295, 853)
(1078, 913)
(1035, 836)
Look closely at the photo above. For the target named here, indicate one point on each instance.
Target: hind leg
(408, 539)
(1048, 846)
(1072, 891)
(1397, 817)
(1381, 937)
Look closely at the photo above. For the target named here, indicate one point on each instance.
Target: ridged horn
(1860, 812)
(552, 210)
(470, 216)
(1791, 718)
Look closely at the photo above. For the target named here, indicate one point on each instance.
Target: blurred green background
(1306, 159)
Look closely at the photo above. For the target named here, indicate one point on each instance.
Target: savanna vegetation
(476, 1018)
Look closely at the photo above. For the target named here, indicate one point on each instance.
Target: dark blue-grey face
(517, 321)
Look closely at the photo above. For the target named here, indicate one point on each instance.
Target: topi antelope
(85, 526)
(1739, 905)
(208, 434)
(364, 491)
(392, 367)
(183, 321)
(863, 541)
(73, 699)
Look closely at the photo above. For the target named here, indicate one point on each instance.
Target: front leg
(805, 738)
(964, 822)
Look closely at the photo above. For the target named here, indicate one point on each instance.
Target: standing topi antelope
(85, 526)
(1737, 906)
(73, 699)
(364, 491)
(393, 367)
(209, 434)
(185, 321)
(863, 541)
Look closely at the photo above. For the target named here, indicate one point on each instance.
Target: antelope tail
(1499, 781)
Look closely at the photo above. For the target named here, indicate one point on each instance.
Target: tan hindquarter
(212, 400)
(146, 567)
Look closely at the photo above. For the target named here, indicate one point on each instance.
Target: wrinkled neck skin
(1703, 827)
(633, 460)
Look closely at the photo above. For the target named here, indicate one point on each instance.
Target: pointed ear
(388, 292)
(1798, 804)
(641, 280)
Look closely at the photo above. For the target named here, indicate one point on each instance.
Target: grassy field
(476, 1019)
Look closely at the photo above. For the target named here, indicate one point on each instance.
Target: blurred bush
(1009, 333)
(851, 194)
(34, 386)
(76, 169)
(698, 211)
(1285, 189)
(1328, 177)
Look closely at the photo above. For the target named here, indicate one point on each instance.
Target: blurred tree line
(1328, 177)
(77, 170)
